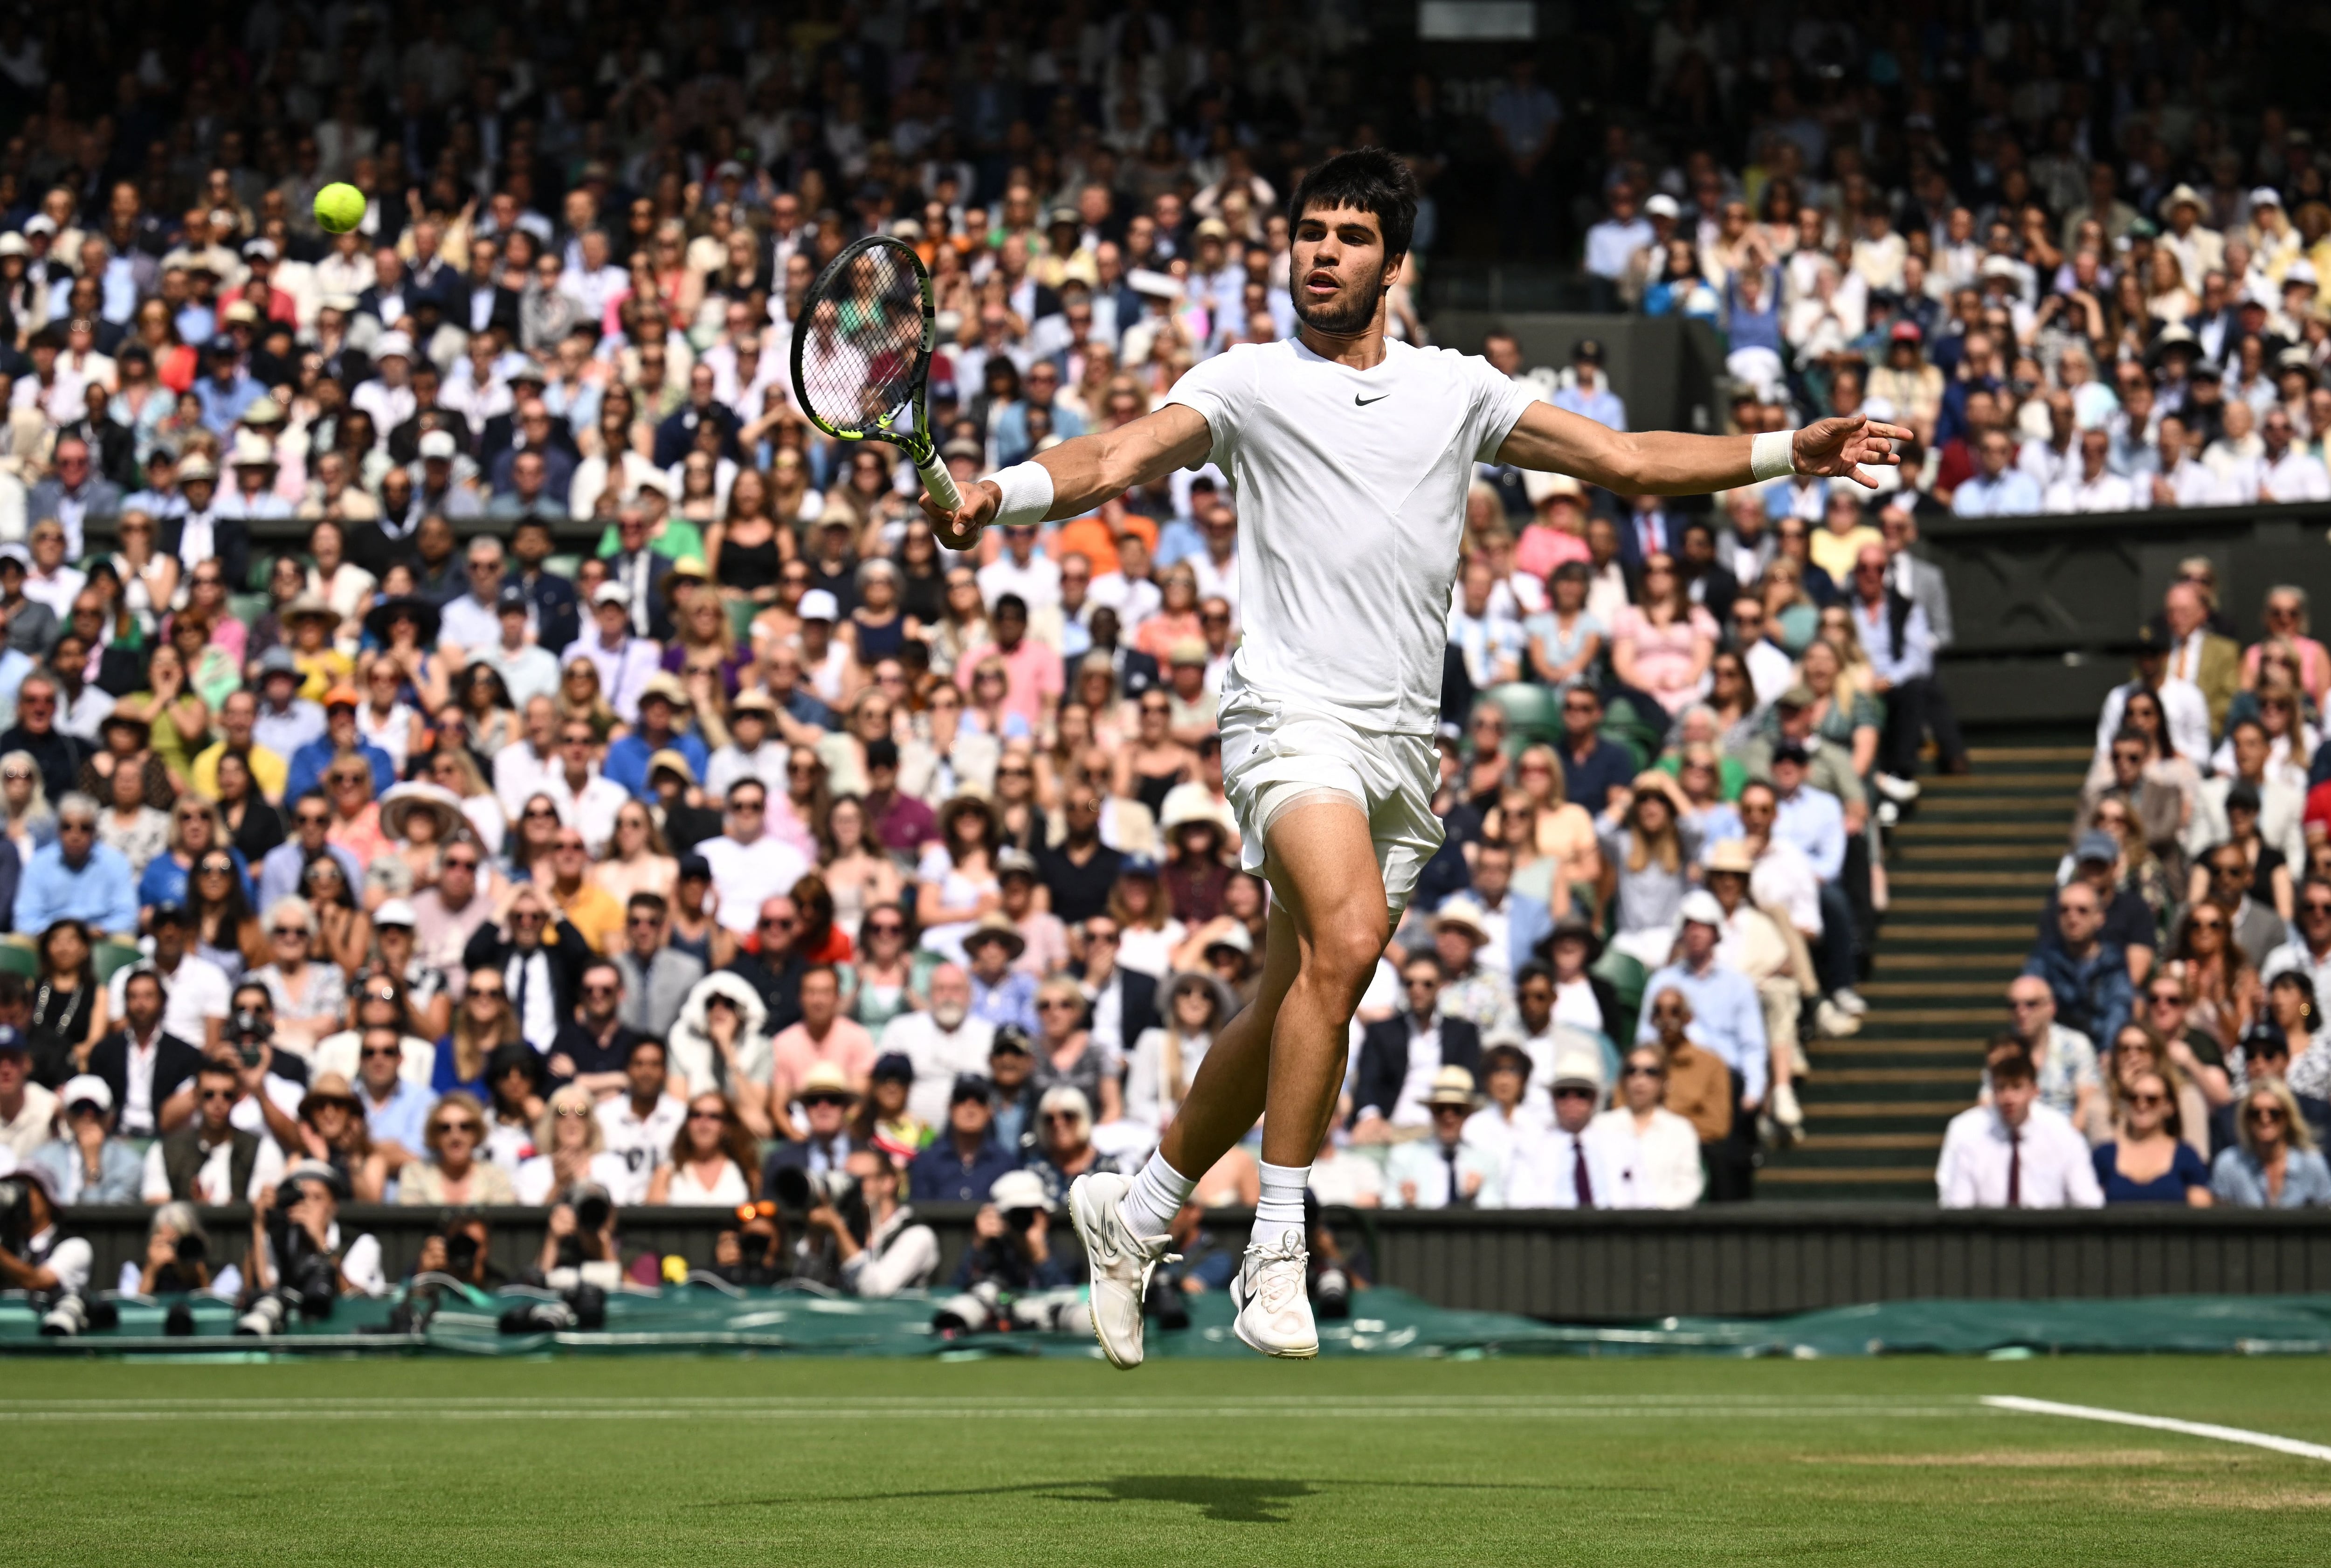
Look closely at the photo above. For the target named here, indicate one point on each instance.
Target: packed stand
(2165, 1042)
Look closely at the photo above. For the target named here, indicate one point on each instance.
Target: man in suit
(827, 1101)
(1900, 644)
(73, 492)
(1124, 1002)
(540, 958)
(2214, 663)
(1135, 672)
(202, 531)
(480, 302)
(1919, 580)
(1399, 1057)
(1711, 583)
(675, 438)
(1647, 530)
(143, 1066)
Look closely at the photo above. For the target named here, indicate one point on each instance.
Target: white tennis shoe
(1121, 1263)
(1273, 1297)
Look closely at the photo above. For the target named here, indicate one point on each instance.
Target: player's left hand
(1837, 448)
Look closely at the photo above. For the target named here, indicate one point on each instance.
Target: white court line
(715, 1404)
(1342, 1413)
(2046, 1406)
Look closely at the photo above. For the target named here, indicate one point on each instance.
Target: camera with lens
(250, 1030)
(307, 1276)
(460, 1252)
(798, 1189)
(593, 1208)
(15, 1212)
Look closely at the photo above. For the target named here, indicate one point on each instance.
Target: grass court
(834, 1462)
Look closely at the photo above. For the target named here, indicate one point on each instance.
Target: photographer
(856, 1235)
(177, 1259)
(298, 1260)
(35, 1256)
(579, 1246)
(1011, 1241)
(461, 1247)
(211, 1160)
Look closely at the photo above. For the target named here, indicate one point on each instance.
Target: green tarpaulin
(1383, 1322)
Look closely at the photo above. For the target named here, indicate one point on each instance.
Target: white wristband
(1027, 489)
(1773, 455)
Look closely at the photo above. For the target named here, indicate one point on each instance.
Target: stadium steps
(1966, 873)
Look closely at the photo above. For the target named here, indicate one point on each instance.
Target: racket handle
(938, 481)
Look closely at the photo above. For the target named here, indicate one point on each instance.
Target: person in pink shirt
(1558, 532)
(822, 1036)
(1034, 669)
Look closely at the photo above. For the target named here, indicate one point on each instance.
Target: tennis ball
(339, 208)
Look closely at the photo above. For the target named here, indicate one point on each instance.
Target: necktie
(2014, 1167)
(1458, 1197)
(1580, 1183)
(517, 999)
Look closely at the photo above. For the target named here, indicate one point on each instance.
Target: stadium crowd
(465, 739)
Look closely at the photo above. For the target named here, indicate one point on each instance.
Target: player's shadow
(1227, 1499)
(1224, 1499)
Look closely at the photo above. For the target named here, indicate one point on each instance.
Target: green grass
(1004, 1463)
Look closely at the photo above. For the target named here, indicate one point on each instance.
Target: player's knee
(1344, 955)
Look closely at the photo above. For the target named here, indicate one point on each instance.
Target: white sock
(1157, 1195)
(1280, 1213)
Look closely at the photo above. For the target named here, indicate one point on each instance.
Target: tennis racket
(862, 354)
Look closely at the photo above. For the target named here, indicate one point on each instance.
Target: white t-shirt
(641, 1142)
(198, 991)
(1351, 487)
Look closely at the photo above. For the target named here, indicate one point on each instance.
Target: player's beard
(1349, 320)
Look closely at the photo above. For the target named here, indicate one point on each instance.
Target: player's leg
(1123, 1224)
(1324, 867)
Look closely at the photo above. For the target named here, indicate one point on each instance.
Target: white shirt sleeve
(154, 1185)
(1498, 404)
(1219, 388)
(71, 1262)
(266, 1169)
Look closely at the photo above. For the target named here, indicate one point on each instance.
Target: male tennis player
(1351, 455)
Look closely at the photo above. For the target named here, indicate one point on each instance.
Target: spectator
(1652, 1153)
(2274, 1163)
(711, 1164)
(2088, 976)
(641, 1124)
(85, 1163)
(2064, 1060)
(2148, 1161)
(1562, 1166)
(455, 1174)
(1445, 1169)
(2015, 1153)
(965, 1161)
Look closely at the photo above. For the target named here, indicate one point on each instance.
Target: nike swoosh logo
(1359, 401)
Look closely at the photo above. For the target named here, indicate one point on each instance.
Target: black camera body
(15, 1212)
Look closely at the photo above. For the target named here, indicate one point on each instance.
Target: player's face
(1339, 270)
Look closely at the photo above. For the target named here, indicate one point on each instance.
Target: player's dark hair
(1372, 180)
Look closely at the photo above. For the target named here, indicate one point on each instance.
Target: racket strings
(865, 337)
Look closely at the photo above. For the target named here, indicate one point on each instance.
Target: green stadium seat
(740, 619)
(112, 956)
(1533, 714)
(1626, 975)
(18, 959)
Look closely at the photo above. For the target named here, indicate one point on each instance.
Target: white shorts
(1274, 758)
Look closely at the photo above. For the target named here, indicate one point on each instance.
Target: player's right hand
(959, 529)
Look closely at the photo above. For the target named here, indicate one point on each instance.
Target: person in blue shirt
(2088, 975)
(1592, 766)
(960, 1166)
(195, 832)
(1591, 395)
(340, 734)
(2151, 1161)
(1999, 488)
(227, 390)
(662, 702)
(1814, 819)
(77, 878)
(1726, 1016)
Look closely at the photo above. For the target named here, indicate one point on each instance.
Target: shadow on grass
(1226, 1499)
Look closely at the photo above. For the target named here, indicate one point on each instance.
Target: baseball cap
(1662, 205)
(170, 911)
(438, 443)
(818, 605)
(89, 1087)
(1790, 751)
(1907, 332)
(1012, 860)
(1021, 1190)
(510, 600)
(277, 661)
(2096, 844)
(969, 1086)
(1580, 1067)
(342, 696)
(12, 1040)
(893, 1066)
(395, 912)
(612, 593)
(1701, 908)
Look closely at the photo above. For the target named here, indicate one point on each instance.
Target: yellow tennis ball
(339, 208)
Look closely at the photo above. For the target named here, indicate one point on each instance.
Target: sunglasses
(2147, 1100)
(707, 1116)
(825, 1100)
(490, 993)
(539, 813)
(288, 933)
(1574, 1094)
(600, 990)
(885, 929)
(377, 1052)
(2263, 1114)
(447, 1129)
(1646, 1072)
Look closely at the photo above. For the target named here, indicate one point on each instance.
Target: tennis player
(1351, 456)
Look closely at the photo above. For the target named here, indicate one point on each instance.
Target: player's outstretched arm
(1668, 464)
(1085, 471)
